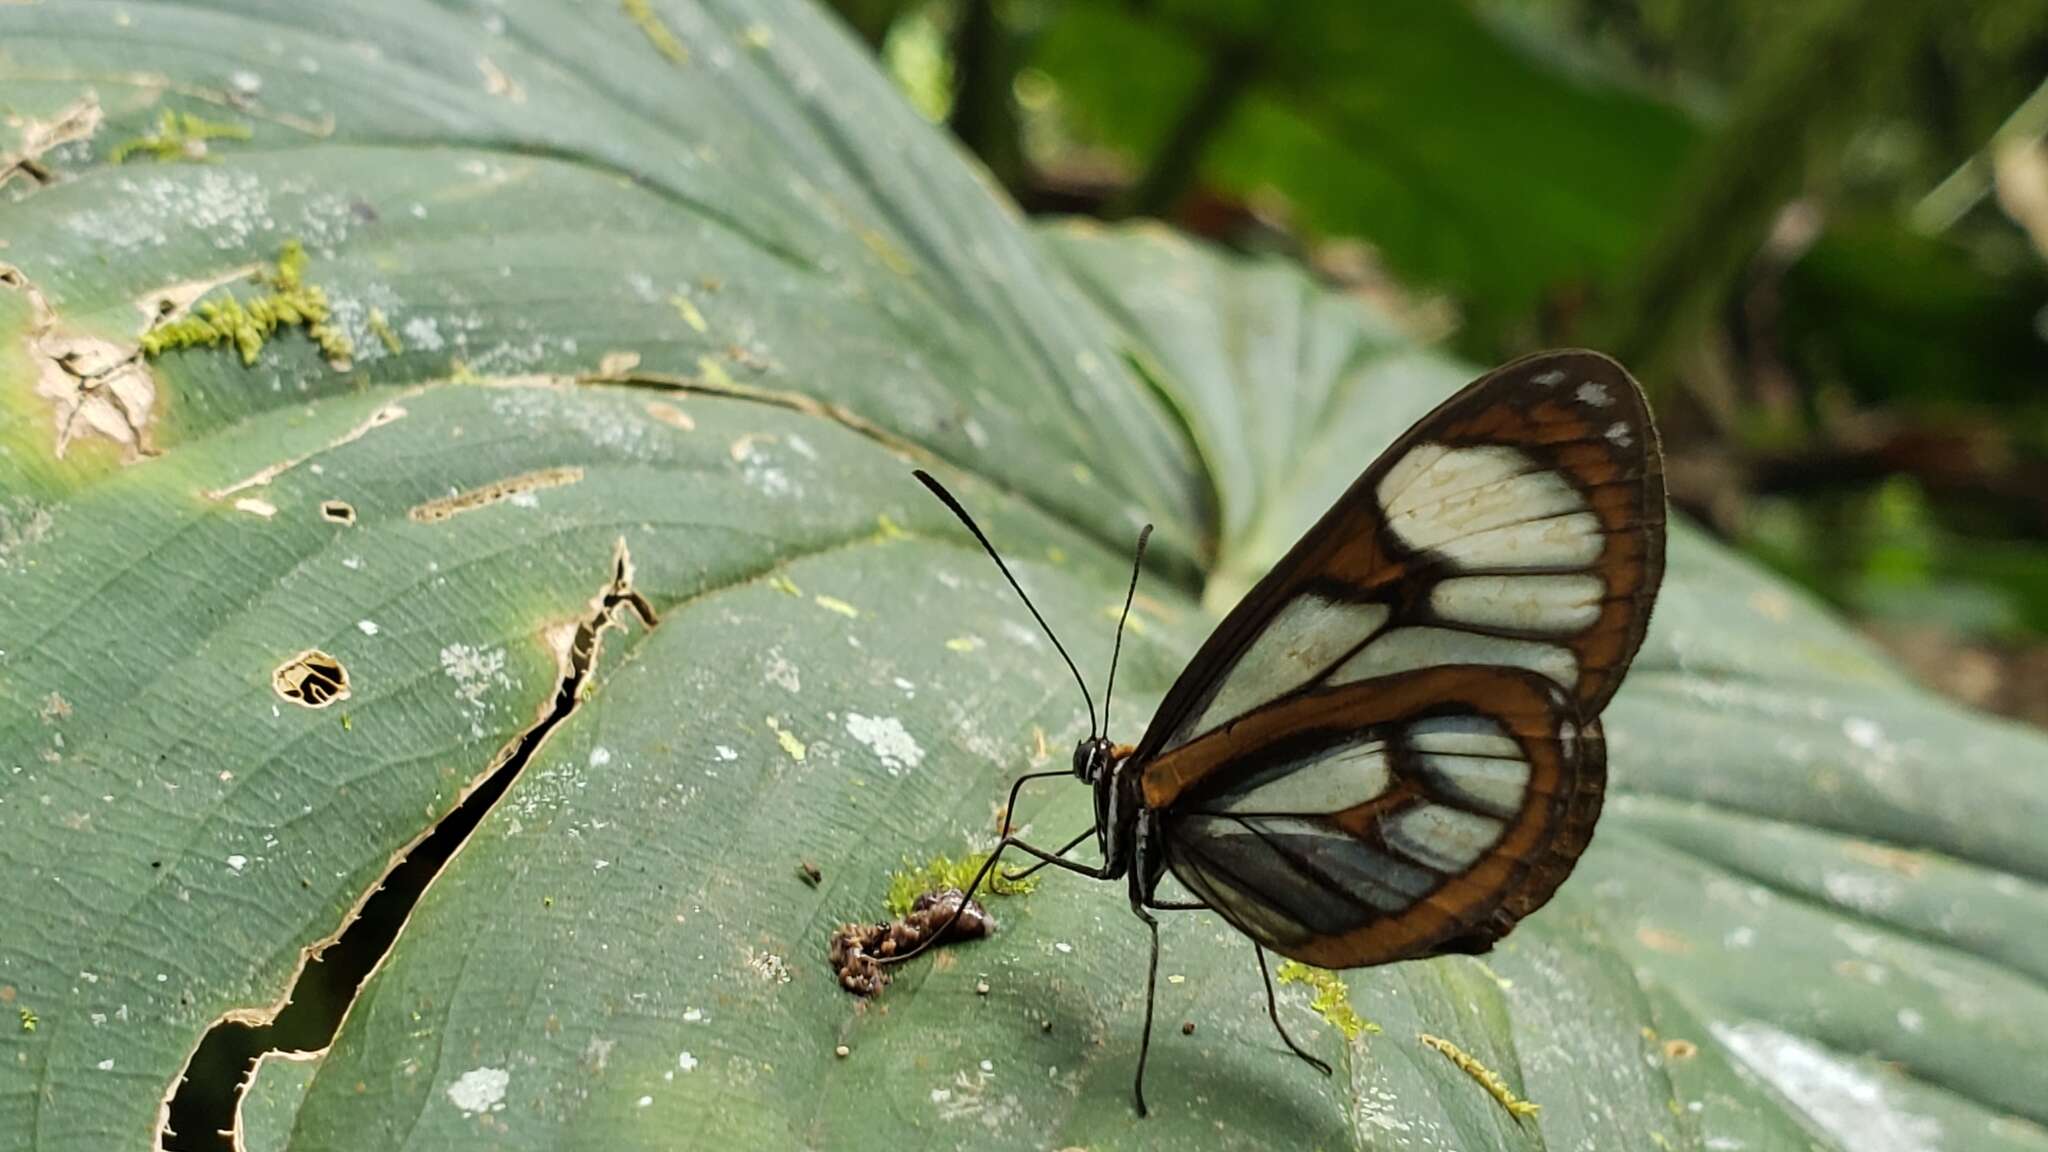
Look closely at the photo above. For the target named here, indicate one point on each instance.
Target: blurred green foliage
(1787, 217)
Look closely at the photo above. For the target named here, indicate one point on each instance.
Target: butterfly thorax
(1119, 803)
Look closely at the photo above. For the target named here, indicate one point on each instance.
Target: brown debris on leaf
(857, 950)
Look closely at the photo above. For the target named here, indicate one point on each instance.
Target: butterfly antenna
(946, 498)
(1137, 565)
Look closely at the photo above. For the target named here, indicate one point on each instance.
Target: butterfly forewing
(1520, 524)
(1391, 747)
(1427, 811)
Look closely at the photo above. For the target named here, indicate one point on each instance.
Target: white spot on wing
(1571, 540)
(1493, 783)
(1405, 649)
(1594, 395)
(1435, 496)
(1618, 432)
(1535, 603)
(1305, 637)
(1447, 839)
(1554, 376)
(1331, 781)
(1462, 736)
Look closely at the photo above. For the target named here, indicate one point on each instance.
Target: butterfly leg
(1069, 847)
(1151, 991)
(1273, 1013)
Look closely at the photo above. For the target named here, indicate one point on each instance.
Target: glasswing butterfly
(1391, 748)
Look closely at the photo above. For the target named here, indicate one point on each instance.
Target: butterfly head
(1092, 758)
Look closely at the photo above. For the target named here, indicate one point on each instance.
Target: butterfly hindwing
(1423, 813)
(1519, 524)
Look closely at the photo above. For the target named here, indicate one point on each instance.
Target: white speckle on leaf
(686, 1062)
(1742, 937)
(782, 673)
(600, 756)
(367, 627)
(1849, 1102)
(424, 334)
(1910, 1020)
(1863, 733)
(644, 1101)
(1062, 947)
(693, 1015)
(725, 752)
(237, 861)
(474, 670)
(887, 738)
(480, 1090)
(105, 1065)
(1861, 891)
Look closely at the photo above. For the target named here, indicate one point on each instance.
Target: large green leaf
(1822, 882)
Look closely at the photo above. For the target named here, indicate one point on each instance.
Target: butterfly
(1391, 749)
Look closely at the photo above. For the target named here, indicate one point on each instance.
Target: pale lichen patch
(886, 737)
(480, 1090)
(435, 511)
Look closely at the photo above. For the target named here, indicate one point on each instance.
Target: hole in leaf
(312, 678)
(338, 511)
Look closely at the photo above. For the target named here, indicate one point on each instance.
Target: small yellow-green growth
(382, 328)
(784, 585)
(290, 303)
(889, 529)
(689, 313)
(178, 136)
(642, 14)
(942, 871)
(1486, 1077)
(1332, 999)
(29, 1020)
(790, 744)
(712, 373)
(835, 604)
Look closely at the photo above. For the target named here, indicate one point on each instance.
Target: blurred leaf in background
(1817, 230)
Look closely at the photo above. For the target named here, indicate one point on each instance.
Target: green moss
(1332, 999)
(246, 324)
(1486, 1077)
(178, 136)
(943, 871)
